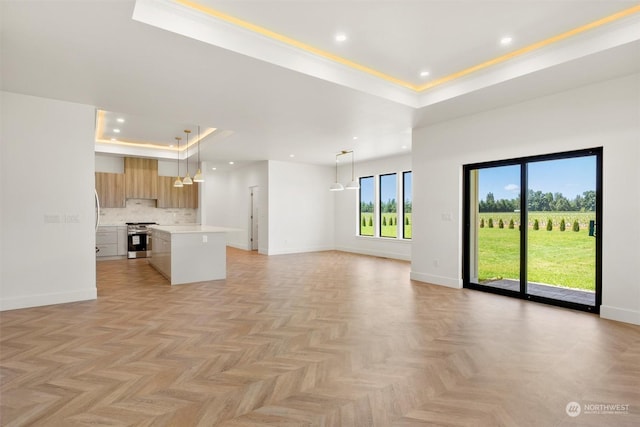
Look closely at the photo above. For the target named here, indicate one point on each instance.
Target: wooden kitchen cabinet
(110, 189)
(190, 196)
(172, 197)
(141, 178)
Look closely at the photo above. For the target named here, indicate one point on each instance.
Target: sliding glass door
(541, 243)
(495, 241)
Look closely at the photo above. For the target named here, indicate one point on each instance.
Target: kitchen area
(133, 193)
(140, 214)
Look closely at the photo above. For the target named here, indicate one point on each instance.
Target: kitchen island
(189, 253)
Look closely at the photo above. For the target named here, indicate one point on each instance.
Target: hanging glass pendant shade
(178, 182)
(187, 179)
(198, 176)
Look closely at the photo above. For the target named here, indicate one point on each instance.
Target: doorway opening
(532, 228)
(253, 218)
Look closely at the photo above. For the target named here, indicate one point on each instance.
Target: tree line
(390, 206)
(541, 202)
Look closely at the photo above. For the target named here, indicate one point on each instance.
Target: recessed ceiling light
(113, 139)
(230, 163)
(404, 147)
(213, 169)
(171, 146)
(424, 73)
(340, 37)
(116, 130)
(355, 137)
(292, 155)
(505, 41)
(120, 120)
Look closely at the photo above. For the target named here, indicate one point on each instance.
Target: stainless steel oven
(139, 239)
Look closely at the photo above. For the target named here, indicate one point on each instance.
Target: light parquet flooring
(319, 339)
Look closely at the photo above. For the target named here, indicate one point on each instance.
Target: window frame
(373, 178)
(379, 210)
(404, 194)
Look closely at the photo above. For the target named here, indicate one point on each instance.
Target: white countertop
(195, 228)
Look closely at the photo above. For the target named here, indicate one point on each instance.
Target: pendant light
(198, 176)
(187, 179)
(336, 186)
(178, 182)
(353, 185)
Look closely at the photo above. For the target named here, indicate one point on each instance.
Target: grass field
(388, 230)
(554, 257)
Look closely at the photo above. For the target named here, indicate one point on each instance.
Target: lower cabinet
(161, 253)
(111, 240)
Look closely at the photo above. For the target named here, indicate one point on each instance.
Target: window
(388, 205)
(406, 212)
(367, 200)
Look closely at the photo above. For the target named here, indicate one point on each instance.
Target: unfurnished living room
(323, 213)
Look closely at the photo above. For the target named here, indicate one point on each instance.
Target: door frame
(253, 218)
(467, 219)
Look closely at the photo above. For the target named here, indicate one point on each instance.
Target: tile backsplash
(144, 210)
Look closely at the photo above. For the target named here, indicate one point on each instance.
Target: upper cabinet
(172, 197)
(141, 176)
(110, 189)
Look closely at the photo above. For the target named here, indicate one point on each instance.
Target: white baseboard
(300, 250)
(449, 282)
(47, 299)
(238, 246)
(620, 314)
(382, 254)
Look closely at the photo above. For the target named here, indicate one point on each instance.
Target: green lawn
(389, 227)
(562, 258)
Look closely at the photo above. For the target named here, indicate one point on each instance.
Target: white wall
(301, 213)
(115, 164)
(225, 201)
(109, 164)
(47, 202)
(346, 212)
(605, 114)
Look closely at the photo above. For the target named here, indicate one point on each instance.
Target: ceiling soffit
(208, 25)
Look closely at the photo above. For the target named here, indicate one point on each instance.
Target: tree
(490, 222)
(500, 223)
(549, 225)
(406, 220)
(563, 225)
(481, 222)
(364, 221)
(589, 203)
(536, 225)
(511, 224)
(491, 202)
(370, 221)
(576, 226)
(384, 221)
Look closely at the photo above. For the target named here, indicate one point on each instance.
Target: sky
(567, 176)
(366, 190)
